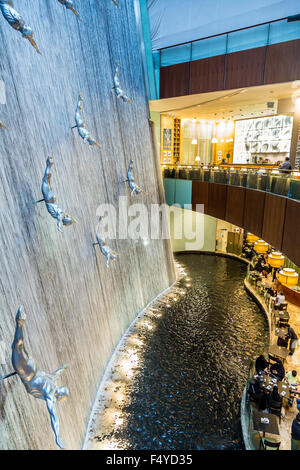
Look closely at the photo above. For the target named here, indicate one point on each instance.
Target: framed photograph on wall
(167, 139)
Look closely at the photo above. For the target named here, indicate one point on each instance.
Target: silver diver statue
(69, 6)
(39, 384)
(81, 126)
(2, 126)
(135, 189)
(16, 21)
(105, 250)
(117, 87)
(50, 199)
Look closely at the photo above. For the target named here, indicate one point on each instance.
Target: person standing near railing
(286, 167)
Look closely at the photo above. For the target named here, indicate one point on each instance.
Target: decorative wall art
(135, 189)
(105, 250)
(268, 135)
(167, 139)
(16, 21)
(81, 126)
(50, 199)
(39, 384)
(117, 87)
(70, 6)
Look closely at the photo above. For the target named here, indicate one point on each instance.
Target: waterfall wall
(77, 309)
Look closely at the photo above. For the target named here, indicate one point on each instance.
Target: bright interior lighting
(230, 127)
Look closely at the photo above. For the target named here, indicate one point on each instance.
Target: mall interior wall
(77, 309)
(192, 231)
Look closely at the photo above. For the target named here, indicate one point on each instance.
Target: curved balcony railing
(272, 181)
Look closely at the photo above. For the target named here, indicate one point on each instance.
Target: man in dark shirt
(277, 370)
(261, 364)
(295, 436)
(286, 167)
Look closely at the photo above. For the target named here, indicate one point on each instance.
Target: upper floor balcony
(272, 181)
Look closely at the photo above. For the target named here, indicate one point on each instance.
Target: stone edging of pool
(213, 253)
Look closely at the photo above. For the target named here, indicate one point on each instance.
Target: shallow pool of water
(194, 365)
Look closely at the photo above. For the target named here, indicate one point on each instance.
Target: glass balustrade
(248, 38)
(262, 180)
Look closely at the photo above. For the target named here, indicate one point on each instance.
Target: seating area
(272, 393)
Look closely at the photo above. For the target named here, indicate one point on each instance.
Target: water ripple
(181, 386)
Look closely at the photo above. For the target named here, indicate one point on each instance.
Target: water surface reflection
(182, 378)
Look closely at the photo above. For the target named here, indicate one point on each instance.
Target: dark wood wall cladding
(283, 64)
(263, 65)
(217, 195)
(207, 75)
(235, 205)
(273, 222)
(200, 195)
(290, 243)
(275, 219)
(245, 68)
(254, 211)
(175, 80)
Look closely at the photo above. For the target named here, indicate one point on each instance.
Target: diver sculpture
(16, 21)
(69, 6)
(2, 126)
(116, 3)
(135, 189)
(117, 87)
(81, 126)
(105, 250)
(50, 199)
(39, 384)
